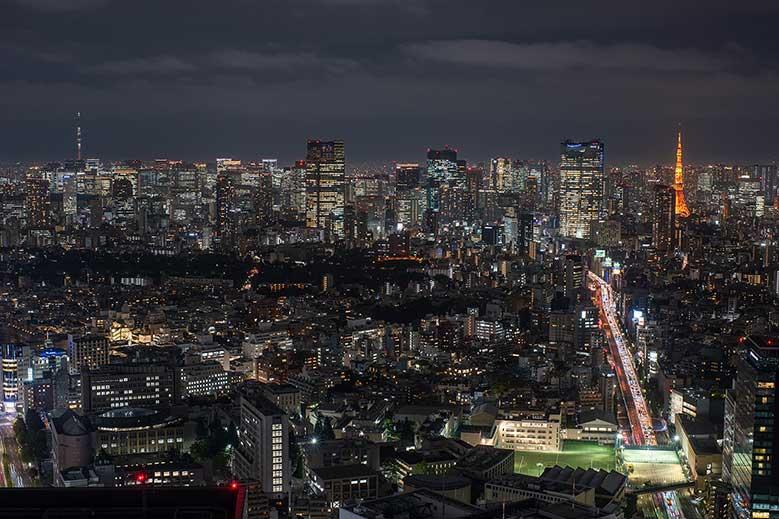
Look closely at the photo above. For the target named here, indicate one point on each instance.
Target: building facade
(751, 437)
(262, 452)
(582, 184)
(325, 172)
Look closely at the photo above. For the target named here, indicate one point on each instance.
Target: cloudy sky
(256, 78)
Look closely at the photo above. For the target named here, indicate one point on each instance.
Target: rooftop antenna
(78, 135)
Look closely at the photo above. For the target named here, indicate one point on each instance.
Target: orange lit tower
(681, 204)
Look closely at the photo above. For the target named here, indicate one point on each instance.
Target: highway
(665, 504)
(641, 429)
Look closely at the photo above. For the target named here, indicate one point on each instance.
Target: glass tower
(325, 172)
(751, 437)
(582, 180)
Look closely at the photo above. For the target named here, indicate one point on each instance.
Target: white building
(262, 452)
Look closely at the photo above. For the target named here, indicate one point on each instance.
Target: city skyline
(353, 165)
(360, 259)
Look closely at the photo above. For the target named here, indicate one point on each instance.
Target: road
(8, 446)
(641, 429)
(642, 432)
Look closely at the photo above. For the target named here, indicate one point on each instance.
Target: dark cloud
(582, 55)
(391, 77)
(61, 5)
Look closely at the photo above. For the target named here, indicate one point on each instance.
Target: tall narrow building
(225, 199)
(325, 172)
(663, 224)
(262, 453)
(582, 179)
(751, 439)
(681, 203)
(36, 201)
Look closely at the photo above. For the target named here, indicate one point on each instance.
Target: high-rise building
(751, 439)
(442, 165)
(36, 201)
(442, 170)
(262, 453)
(582, 181)
(501, 177)
(768, 175)
(10, 376)
(263, 199)
(663, 223)
(225, 199)
(325, 172)
(407, 176)
(749, 198)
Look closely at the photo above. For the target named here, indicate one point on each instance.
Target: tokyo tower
(681, 204)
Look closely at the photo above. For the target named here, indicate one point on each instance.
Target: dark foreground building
(143, 502)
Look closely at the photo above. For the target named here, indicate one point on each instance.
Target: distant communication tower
(78, 135)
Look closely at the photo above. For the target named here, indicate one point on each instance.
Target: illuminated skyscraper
(36, 201)
(663, 224)
(407, 176)
(442, 170)
(582, 181)
(442, 165)
(751, 438)
(225, 197)
(10, 378)
(769, 178)
(501, 174)
(325, 172)
(681, 203)
(78, 136)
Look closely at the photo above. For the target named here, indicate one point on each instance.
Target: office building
(10, 368)
(751, 439)
(204, 378)
(136, 430)
(442, 166)
(325, 171)
(146, 384)
(225, 201)
(768, 175)
(582, 181)
(36, 202)
(501, 176)
(87, 351)
(345, 483)
(407, 176)
(663, 224)
(262, 452)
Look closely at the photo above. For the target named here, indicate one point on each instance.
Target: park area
(576, 454)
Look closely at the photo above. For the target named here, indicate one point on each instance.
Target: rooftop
(344, 471)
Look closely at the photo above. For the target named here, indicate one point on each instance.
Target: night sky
(196, 79)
